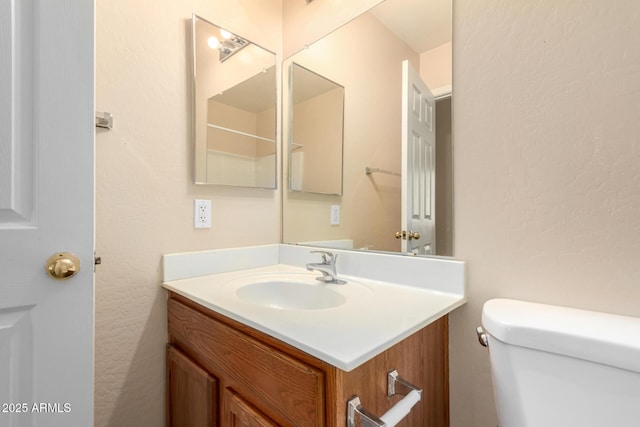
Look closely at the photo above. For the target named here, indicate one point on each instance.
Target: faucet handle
(327, 257)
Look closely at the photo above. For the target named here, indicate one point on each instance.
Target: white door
(46, 207)
(418, 164)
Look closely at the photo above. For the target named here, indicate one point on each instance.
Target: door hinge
(96, 261)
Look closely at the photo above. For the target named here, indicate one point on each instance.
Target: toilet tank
(562, 367)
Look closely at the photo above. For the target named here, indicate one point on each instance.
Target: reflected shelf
(241, 133)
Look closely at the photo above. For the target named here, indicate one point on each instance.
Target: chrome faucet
(327, 267)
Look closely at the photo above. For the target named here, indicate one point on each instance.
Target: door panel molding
(418, 164)
(16, 114)
(16, 363)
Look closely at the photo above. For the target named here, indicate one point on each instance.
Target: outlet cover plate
(202, 213)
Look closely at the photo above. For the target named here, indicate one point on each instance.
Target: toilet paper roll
(401, 409)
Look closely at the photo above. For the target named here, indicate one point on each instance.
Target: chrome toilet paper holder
(395, 386)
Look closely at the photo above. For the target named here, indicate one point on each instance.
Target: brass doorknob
(401, 234)
(413, 235)
(63, 265)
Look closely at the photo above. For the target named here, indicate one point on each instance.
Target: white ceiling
(308, 84)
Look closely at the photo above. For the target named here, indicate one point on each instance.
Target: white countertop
(375, 316)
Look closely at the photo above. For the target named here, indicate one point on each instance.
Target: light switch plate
(335, 214)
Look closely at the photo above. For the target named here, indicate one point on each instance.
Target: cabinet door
(242, 414)
(192, 396)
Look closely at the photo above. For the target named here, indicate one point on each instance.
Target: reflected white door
(46, 206)
(418, 164)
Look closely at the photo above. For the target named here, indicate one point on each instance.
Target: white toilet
(562, 367)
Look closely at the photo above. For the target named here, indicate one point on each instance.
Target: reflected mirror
(234, 116)
(366, 56)
(315, 144)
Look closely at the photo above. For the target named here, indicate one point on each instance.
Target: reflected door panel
(418, 189)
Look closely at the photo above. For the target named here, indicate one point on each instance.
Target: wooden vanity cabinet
(192, 393)
(223, 373)
(242, 414)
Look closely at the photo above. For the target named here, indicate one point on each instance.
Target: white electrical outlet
(202, 214)
(335, 214)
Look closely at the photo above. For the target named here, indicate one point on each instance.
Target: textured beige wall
(547, 167)
(144, 199)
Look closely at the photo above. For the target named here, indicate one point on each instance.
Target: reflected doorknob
(404, 235)
(63, 265)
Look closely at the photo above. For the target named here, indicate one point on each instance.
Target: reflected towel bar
(368, 170)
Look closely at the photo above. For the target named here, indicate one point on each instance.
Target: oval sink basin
(290, 295)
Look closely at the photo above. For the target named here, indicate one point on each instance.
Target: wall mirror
(366, 56)
(316, 132)
(234, 114)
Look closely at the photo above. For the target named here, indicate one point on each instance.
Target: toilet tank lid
(598, 337)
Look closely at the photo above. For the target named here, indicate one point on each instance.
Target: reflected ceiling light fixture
(213, 42)
(227, 44)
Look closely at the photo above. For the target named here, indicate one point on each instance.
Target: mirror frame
(193, 63)
(290, 142)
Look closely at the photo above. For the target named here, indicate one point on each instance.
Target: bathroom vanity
(238, 357)
(246, 377)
